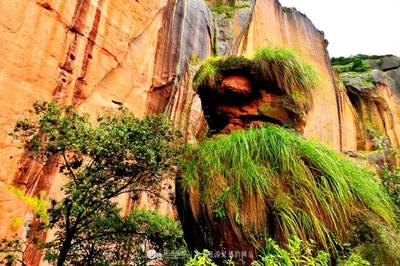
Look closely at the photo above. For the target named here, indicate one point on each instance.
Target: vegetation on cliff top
(348, 60)
(355, 71)
(274, 182)
(290, 72)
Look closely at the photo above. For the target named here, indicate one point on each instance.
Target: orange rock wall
(92, 54)
(96, 53)
(377, 111)
(271, 25)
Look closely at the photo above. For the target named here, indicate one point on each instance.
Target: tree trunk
(62, 256)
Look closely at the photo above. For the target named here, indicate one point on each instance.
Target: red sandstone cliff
(99, 53)
(93, 54)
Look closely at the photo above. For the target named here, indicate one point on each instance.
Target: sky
(355, 26)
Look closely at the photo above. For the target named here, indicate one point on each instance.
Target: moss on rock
(359, 81)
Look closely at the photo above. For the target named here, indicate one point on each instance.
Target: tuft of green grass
(208, 74)
(298, 187)
(290, 72)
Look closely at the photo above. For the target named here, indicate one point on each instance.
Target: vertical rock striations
(94, 55)
(371, 86)
(271, 24)
(185, 37)
(143, 54)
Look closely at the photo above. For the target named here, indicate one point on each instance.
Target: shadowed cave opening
(237, 102)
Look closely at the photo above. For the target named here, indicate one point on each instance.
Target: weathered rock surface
(271, 25)
(378, 115)
(374, 95)
(389, 62)
(391, 66)
(94, 55)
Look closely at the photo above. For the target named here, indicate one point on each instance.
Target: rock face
(93, 55)
(373, 93)
(97, 54)
(270, 24)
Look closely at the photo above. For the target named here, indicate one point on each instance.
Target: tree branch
(69, 168)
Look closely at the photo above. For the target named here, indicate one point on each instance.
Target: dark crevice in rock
(241, 102)
(389, 69)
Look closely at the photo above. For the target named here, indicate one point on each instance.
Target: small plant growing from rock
(228, 10)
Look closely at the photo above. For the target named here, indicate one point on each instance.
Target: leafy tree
(103, 159)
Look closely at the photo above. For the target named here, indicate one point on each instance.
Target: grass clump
(208, 74)
(277, 181)
(290, 72)
(212, 69)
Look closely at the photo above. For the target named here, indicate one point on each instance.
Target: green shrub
(358, 63)
(228, 10)
(353, 260)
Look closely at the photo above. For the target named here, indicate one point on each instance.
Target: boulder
(389, 63)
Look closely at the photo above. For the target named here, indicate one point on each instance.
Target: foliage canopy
(103, 159)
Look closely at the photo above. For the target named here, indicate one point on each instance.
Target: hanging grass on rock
(280, 185)
(280, 66)
(290, 72)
